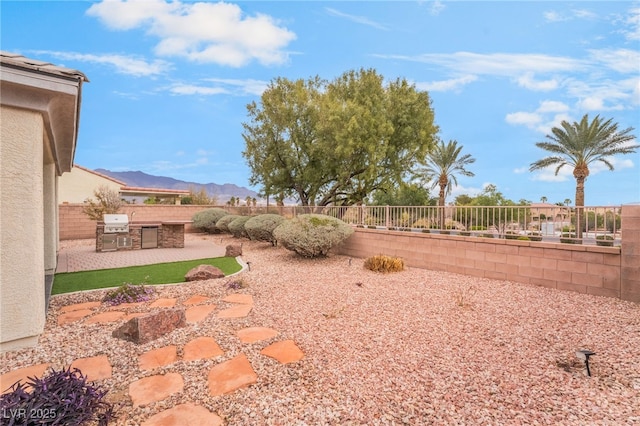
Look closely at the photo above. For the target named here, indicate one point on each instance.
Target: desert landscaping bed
(414, 347)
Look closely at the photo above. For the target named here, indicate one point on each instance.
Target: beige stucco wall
(77, 186)
(22, 228)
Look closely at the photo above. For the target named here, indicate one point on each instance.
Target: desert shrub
(223, 223)
(236, 227)
(383, 263)
(206, 220)
(524, 238)
(260, 228)
(108, 202)
(312, 235)
(128, 293)
(60, 397)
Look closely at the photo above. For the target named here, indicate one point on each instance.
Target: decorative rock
(73, 316)
(233, 250)
(231, 375)
(79, 306)
(20, 375)
(203, 272)
(194, 300)
(158, 357)
(163, 303)
(255, 334)
(155, 388)
(109, 316)
(184, 414)
(151, 326)
(237, 311)
(200, 348)
(245, 299)
(94, 368)
(198, 313)
(284, 352)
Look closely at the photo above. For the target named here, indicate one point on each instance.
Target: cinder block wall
(630, 262)
(76, 225)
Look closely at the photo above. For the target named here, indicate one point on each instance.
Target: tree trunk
(443, 188)
(580, 173)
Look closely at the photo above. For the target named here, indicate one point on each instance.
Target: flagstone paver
(285, 351)
(195, 300)
(93, 368)
(198, 313)
(163, 303)
(201, 347)
(79, 306)
(237, 311)
(239, 298)
(155, 388)
(73, 316)
(231, 375)
(184, 414)
(109, 316)
(127, 305)
(255, 334)
(133, 315)
(158, 357)
(21, 375)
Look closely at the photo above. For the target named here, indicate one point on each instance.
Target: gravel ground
(414, 347)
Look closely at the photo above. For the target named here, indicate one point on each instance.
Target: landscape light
(249, 265)
(584, 355)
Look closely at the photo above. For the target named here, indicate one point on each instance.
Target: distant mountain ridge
(141, 179)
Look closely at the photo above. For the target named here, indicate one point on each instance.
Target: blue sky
(169, 82)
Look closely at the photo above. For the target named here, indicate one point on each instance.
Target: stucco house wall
(39, 106)
(80, 183)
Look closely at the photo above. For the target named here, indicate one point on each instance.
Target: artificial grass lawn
(159, 273)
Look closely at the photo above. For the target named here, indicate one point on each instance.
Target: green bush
(223, 223)
(206, 220)
(312, 235)
(260, 228)
(236, 227)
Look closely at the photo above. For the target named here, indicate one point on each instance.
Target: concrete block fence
(602, 271)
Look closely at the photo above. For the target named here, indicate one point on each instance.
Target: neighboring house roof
(136, 191)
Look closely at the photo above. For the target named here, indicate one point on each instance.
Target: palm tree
(578, 145)
(543, 199)
(441, 167)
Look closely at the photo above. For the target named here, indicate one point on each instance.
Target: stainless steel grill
(114, 223)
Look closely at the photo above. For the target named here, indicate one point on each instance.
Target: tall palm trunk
(443, 182)
(580, 172)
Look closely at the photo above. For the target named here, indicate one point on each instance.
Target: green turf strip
(159, 273)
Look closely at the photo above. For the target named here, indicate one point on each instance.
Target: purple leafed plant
(129, 293)
(59, 398)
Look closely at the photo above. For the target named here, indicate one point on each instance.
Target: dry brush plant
(383, 263)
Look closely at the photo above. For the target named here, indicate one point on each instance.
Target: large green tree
(442, 165)
(578, 145)
(336, 142)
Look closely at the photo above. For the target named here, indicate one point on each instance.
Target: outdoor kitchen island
(116, 233)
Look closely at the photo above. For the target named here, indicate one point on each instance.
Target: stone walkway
(223, 378)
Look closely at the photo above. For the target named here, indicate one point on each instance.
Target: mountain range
(140, 179)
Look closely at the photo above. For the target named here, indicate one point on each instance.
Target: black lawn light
(249, 265)
(584, 355)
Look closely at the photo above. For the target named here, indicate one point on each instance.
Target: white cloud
(632, 32)
(584, 14)
(548, 174)
(529, 119)
(122, 64)
(436, 7)
(521, 170)
(552, 106)
(190, 89)
(250, 86)
(202, 32)
(504, 64)
(454, 84)
(527, 81)
(355, 18)
(624, 61)
(553, 16)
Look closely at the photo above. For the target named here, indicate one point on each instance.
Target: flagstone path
(223, 378)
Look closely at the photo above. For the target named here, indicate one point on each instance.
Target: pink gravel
(416, 347)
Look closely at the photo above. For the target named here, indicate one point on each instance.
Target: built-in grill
(114, 223)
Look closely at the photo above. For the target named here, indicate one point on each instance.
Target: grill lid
(116, 223)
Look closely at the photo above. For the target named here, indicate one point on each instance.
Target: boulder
(233, 250)
(149, 327)
(203, 272)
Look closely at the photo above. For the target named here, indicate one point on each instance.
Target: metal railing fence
(588, 225)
